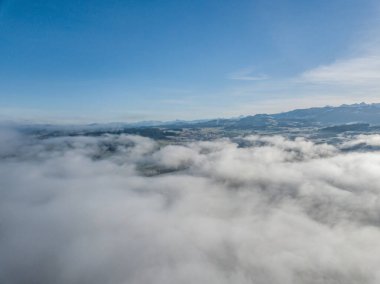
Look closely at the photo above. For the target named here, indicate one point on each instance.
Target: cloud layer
(125, 209)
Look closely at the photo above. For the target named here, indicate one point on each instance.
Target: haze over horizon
(354, 106)
(102, 61)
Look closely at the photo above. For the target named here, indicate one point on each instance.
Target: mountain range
(331, 118)
(317, 116)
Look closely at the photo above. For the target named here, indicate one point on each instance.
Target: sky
(99, 61)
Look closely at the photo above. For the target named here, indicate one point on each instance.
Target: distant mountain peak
(315, 116)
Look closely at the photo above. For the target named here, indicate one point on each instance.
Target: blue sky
(84, 61)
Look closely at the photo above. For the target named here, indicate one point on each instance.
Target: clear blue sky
(83, 61)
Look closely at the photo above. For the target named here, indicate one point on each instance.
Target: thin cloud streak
(355, 71)
(247, 75)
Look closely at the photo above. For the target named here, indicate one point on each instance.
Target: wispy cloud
(247, 74)
(353, 71)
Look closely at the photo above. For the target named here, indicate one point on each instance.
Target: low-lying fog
(125, 209)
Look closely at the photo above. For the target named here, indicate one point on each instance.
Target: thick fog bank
(125, 209)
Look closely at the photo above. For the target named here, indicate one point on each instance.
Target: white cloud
(354, 71)
(123, 209)
(368, 140)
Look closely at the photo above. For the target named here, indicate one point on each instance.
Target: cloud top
(125, 209)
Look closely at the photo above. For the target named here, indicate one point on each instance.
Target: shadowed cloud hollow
(126, 209)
